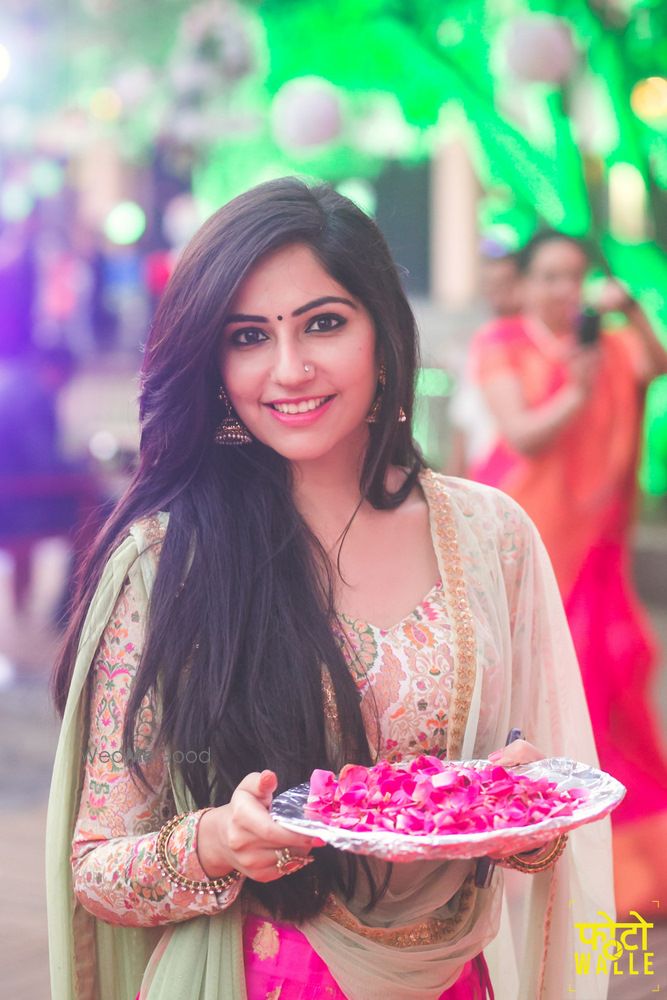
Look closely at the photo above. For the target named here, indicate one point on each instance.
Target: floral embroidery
(266, 942)
(407, 678)
(115, 872)
(359, 644)
(456, 592)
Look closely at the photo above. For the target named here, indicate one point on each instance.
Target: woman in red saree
(567, 426)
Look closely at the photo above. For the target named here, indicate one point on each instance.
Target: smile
(302, 412)
(304, 406)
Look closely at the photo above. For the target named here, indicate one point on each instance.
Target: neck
(326, 489)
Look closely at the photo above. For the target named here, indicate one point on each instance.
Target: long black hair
(239, 632)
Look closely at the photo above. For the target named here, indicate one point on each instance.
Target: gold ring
(287, 865)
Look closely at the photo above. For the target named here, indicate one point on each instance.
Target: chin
(313, 447)
(301, 451)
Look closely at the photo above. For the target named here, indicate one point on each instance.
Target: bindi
(279, 317)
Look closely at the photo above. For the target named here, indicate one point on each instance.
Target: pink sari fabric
(581, 485)
(617, 652)
(281, 965)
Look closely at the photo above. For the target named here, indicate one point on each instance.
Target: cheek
(366, 361)
(240, 375)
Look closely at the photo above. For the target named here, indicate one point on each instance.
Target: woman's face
(552, 284)
(288, 315)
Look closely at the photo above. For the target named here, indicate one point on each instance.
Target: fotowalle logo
(608, 941)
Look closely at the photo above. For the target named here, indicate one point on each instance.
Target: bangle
(200, 886)
(520, 864)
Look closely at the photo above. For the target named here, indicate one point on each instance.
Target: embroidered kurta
(404, 675)
(485, 650)
(116, 874)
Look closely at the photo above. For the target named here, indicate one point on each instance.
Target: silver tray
(604, 794)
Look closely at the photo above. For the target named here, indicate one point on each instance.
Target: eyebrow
(246, 318)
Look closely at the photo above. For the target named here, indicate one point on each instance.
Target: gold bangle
(200, 886)
(532, 867)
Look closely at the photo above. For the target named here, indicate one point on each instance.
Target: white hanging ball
(540, 48)
(306, 112)
(135, 85)
(182, 218)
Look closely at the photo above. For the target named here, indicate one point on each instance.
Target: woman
(278, 493)
(567, 422)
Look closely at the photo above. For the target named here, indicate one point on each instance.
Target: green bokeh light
(360, 192)
(125, 223)
(46, 178)
(16, 202)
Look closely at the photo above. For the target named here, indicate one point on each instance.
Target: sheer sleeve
(115, 871)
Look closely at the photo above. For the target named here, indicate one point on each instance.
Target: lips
(300, 413)
(300, 406)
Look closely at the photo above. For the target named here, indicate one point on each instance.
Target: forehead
(284, 280)
(499, 266)
(559, 255)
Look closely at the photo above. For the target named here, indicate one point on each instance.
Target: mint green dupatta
(200, 959)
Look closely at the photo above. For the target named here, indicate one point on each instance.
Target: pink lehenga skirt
(281, 965)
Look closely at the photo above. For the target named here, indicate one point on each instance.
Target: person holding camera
(566, 395)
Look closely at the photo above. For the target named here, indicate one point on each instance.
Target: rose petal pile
(428, 796)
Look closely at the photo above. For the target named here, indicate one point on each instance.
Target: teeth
(304, 407)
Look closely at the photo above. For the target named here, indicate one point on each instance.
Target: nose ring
(308, 369)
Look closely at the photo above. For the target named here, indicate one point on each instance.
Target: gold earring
(374, 412)
(230, 430)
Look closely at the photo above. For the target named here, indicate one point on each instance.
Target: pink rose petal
(428, 795)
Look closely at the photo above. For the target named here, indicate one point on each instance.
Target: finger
(295, 841)
(266, 868)
(261, 785)
(519, 752)
(253, 818)
(501, 854)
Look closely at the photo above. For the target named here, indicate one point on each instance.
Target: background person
(568, 420)
(472, 426)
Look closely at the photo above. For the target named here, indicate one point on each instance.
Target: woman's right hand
(242, 834)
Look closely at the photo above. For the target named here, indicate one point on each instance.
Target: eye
(248, 336)
(325, 323)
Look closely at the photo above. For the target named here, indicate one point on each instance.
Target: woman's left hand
(518, 752)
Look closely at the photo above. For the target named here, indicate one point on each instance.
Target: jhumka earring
(230, 430)
(374, 411)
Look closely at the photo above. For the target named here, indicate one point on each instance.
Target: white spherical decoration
(135, 85)
(182, 218)
(540, 48)
(193, 76)
(306, 113)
